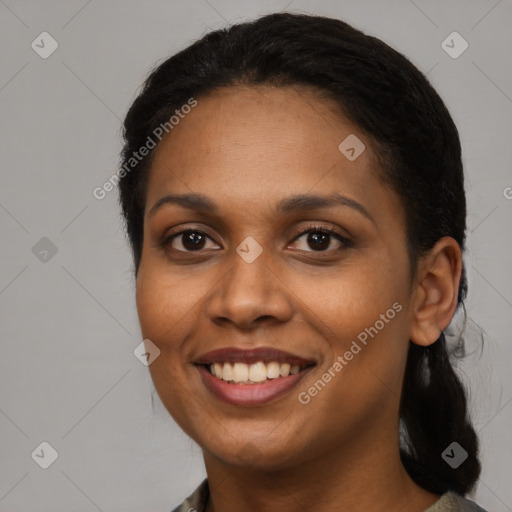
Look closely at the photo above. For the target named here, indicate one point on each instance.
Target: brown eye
(320, 240)
(187, 241)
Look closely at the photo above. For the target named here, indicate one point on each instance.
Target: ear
(435, 291)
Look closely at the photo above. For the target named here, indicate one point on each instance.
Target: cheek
(361, 313)
(353, 299)
(166, 313)
(166, 304)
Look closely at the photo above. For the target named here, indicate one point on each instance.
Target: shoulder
(452, 502)
(196, 502)
(448, 502)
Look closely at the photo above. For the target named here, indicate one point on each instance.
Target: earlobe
(436, 291)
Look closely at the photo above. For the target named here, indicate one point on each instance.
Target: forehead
(256, 145)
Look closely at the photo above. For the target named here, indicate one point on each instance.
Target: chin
(259, 456)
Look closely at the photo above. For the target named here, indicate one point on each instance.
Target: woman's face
(252, 273)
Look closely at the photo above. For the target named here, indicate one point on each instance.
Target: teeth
(227, 372)
(258, 372)
(240, 372)
(217, 370)
(272, 370)
(253, 373)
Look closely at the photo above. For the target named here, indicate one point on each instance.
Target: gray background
(68, 322)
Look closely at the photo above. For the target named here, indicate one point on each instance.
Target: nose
(249, 295)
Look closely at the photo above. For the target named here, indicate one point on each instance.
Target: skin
(247, 148)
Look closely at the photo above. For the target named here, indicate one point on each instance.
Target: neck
(355, 478)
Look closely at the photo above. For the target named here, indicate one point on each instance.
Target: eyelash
(312, 228)
(317, 228)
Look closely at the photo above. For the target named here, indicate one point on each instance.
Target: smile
(251, 377)
(241, 373)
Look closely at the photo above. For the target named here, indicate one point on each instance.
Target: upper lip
(251, 356)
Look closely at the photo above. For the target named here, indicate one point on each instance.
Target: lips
(237, 376)
(251, 356)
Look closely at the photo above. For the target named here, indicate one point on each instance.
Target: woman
(294, 199)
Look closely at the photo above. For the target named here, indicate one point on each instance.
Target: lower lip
(250, 394)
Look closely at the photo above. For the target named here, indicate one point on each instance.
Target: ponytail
(433, 414)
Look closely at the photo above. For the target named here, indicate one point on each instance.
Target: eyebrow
(299, 202)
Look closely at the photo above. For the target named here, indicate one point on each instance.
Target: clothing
(453, 502)
(448, 502)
